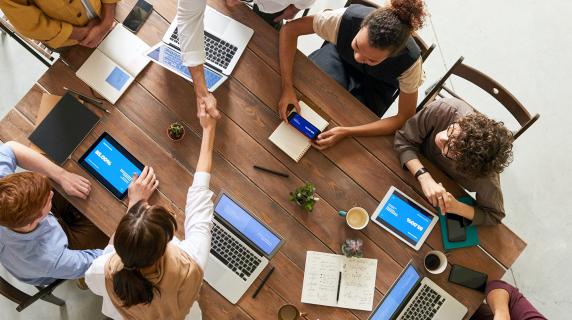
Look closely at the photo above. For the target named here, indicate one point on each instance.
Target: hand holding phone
(303, 125)
(468, 278)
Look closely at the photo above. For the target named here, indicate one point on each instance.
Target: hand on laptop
(288, 98)
(143, 186)
(74, 185)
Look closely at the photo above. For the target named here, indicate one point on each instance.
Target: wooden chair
(24, 300)
(489, 85)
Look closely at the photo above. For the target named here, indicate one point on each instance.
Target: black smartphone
(456, 231)
(303, 125)
(468, 278)
(137, 16)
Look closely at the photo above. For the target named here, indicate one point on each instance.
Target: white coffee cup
(357, 218)
(435, 262)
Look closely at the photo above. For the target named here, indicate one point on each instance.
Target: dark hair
(482, 147)
(140, 240)
(22, 197)
(390, 27)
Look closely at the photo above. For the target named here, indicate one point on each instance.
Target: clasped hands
(91, 35)
(438, 196)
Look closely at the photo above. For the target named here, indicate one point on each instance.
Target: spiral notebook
(292, 141)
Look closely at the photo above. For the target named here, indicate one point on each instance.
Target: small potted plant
(305, 196)
(353, 248)
(176, 131)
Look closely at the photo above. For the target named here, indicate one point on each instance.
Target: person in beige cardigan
(148, 273)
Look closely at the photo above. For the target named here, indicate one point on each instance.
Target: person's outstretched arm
(73, 184)
(199, 206)
(190, 24)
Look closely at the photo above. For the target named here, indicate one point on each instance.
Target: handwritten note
(321, 277)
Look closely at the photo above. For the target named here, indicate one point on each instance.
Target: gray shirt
(418, 136)
(41, 256)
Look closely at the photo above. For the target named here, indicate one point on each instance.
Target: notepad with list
(356, 284)
(113, 66)
(292, 141)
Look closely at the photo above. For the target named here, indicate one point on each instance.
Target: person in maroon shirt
(505, 302)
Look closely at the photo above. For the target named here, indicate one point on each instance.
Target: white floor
(524, 44)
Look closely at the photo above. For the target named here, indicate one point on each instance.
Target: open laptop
(413, 296)
(241, 247)
(225, 41)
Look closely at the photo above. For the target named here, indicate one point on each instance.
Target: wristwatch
(421, 171)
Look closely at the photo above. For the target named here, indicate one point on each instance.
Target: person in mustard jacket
(61, 23)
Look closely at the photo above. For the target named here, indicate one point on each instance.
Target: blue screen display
(396, 294)
(303, 125)
(256, 232)
(112, 165)
(404, 218)
(172, 58)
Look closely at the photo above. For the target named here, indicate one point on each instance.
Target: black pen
(96, 102)
(262, 283)
(339, 283)
(285, 175)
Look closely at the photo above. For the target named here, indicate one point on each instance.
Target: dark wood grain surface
(355, 172)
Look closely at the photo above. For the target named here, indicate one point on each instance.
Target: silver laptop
(241, 247)
(413, 296)
(225, 40)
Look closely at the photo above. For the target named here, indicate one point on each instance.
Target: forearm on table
(381, 127)
(206, 154)
(34, 161)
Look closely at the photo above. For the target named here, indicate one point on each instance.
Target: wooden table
(356, 171)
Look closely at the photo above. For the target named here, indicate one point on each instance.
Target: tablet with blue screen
(111, 165)
(404, 218)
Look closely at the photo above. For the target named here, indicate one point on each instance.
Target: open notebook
(290, 140)
(115, 63)
(325, 272)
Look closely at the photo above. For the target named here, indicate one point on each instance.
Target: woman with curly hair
(370, 52)
(468, 146)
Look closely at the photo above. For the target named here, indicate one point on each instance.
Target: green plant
(305, 196)
(353, 248)
(176, 131)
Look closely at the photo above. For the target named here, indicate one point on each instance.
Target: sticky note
(117, 78)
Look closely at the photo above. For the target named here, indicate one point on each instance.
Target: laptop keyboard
(425, 305)
(232, 253)
(218, 51)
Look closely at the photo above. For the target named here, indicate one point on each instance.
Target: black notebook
(64, 128)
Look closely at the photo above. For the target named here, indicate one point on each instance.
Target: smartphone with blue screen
(303, 125)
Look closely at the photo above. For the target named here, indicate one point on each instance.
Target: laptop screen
(258, 234)
(389, 306)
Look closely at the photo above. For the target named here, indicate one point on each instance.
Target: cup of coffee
(435, 262)
(356, 218)
(289, 312)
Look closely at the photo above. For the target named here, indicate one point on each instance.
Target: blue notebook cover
(472, 237)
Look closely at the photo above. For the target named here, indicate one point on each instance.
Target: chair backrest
(24, 300)
(487, 84)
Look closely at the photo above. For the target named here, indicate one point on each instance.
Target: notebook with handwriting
(322, 279)
(292, 141)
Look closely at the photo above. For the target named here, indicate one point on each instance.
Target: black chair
(486, 83)
(24, 300)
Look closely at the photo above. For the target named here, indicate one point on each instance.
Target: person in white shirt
(148, 273)
(190, 24)
(276, 11)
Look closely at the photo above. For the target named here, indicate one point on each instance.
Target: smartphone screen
(138, 15)
(468, 278)
(456, 231)
(303, 125)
